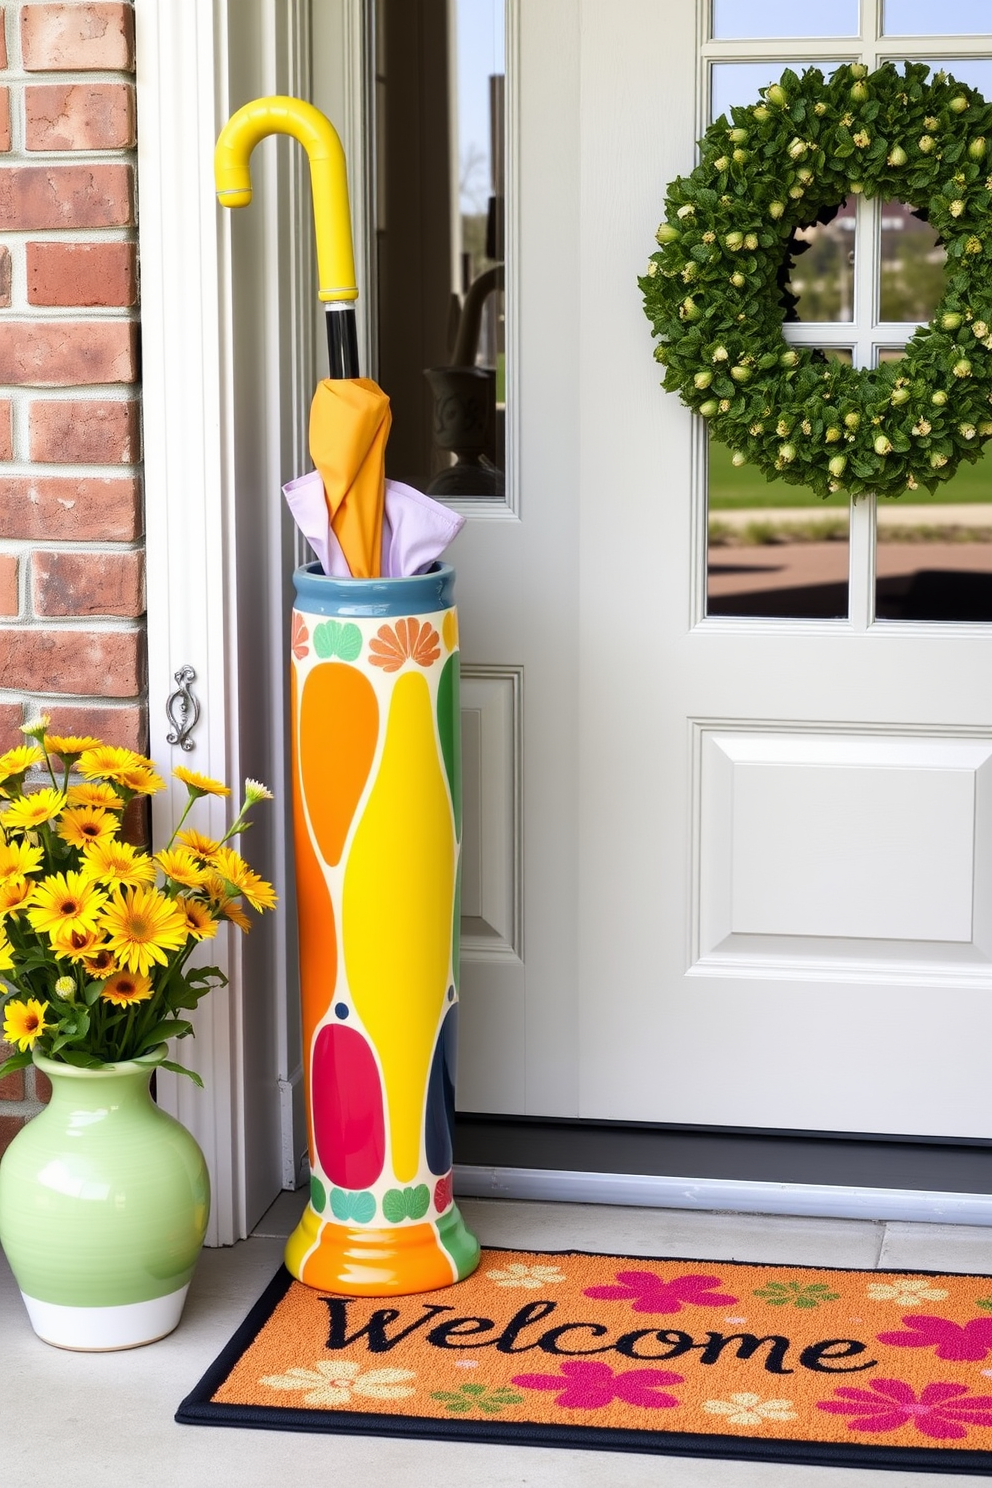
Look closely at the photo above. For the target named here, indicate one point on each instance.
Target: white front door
(750, 882)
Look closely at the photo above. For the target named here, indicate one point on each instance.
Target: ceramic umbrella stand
(377, 817)
(376, 797)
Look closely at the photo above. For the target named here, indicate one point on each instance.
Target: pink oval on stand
(346, 1092)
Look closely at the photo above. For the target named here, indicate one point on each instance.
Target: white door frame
(228, 373)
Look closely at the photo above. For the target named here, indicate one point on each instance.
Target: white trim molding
(648, 1191)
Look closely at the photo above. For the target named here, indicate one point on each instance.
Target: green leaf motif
(318, 1198)
(331, 638)
(477, 1397)
(399, 1204)
(359, 1206)
(985, 1303)
(793, 1293)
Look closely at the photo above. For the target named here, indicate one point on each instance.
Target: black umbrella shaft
(342, 340)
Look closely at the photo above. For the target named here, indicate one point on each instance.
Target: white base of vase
(96, 1330)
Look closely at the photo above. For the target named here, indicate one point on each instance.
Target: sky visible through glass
(481, 52)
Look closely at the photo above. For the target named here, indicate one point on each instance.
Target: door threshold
(648, 1190)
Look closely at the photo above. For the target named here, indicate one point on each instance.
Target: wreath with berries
(715, 291)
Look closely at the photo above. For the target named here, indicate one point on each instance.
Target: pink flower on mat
(972, 1340)
(584, 1385)
(646, 1292)
(942, 1410)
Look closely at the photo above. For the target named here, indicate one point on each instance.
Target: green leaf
(180, 1069)
(394, 1206)
(21, 1061)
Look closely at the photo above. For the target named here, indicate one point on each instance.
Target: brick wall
(71, 559)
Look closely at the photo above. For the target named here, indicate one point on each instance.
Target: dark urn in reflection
(464, 405)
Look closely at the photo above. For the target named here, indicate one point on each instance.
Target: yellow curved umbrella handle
(328, 176)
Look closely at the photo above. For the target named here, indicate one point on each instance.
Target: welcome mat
(631, 1353)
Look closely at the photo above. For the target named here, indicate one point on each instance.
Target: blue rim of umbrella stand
(420, 594)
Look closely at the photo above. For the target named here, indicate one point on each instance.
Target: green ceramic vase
(104, 1200)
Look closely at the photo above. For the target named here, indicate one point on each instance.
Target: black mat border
(198, 1409)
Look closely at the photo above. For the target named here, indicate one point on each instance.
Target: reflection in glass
(911, 269)
(934, 553)
(440, 193)
(821, 281)
(923, 18)
(737, 83)
(775, 551)
(738, 19)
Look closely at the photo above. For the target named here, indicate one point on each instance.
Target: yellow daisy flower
(84, 824)
(24, 1023)
(18, 858)
(19, 760)
(204, 847)
(95, 793)
(15, 893)
(36, 728)
(6, 951)
(66, 901)
(105, 761)
(126, 987)
(115, 863)
(31, 811)
(75, 945)
(232, 911)
(200, 785)
(67, 746)
(140, 778)
(179, 864)
(232, 866)
(101, 964)
(142, 926)
(200, 923)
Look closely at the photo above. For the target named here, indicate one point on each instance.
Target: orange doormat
(698, 1358)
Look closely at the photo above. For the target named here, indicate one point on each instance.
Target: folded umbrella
(349, 419)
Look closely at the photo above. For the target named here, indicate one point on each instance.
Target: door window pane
(737, 83)
(775, 550)
(439, 241)
(924, 18)
(975, 71)
(911, 272)
(740, 19)
(822, 279)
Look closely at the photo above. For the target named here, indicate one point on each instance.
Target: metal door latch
(182, 709)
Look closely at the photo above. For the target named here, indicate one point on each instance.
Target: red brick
(68, 509)
(78, 116)
(88, 583)
(11, 719)
(66, 353)
(50, 196)
(84, 432)
(9, 1127)
(82, 274)
(42, 1087)
(12, 1085)
(4, 277)
(104, 663)
(6, 430)
(4, 120)
(124, 727)
(9, 600)
(3, 40)
(77, 38)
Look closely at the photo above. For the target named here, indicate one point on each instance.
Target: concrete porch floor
(105, 1420)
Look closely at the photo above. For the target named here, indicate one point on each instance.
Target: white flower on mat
(333, 1382)
(746, 1409)
(907, 1291)
(517, 1275)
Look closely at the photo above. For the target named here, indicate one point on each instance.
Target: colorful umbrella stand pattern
(377, 823)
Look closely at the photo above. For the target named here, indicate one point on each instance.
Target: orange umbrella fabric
(349, 426)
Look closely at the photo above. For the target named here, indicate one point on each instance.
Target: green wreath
(714, 291)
